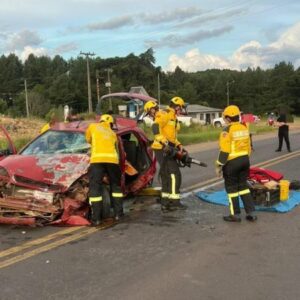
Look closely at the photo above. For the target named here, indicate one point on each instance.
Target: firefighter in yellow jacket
(233, 161)
(104, 161)
(165, 128)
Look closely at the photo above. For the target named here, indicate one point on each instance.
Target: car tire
(106, 200)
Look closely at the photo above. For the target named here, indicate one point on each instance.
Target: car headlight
(3, 172)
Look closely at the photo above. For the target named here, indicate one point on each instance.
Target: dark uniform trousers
(171, 180)
(97, 172)
(235, 173)
(283, 133)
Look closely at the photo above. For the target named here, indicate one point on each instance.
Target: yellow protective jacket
(234, 142)
(104, 143)
(165, 128)
(45, 128)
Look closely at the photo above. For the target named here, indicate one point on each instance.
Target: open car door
(6, 145)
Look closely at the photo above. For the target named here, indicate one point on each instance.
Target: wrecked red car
(47, 182)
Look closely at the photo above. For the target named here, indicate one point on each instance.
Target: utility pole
(98, 86)
(87, 54)
(227, 85)
(26, 98)
(158, 89)
(108, 85)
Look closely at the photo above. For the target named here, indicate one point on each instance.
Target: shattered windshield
(52, 142)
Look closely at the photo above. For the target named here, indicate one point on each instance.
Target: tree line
(55, 82)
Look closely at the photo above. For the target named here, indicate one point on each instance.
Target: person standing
(104, 161)
(283, 133)
(233, 162)
(165, 129)
(151, 109)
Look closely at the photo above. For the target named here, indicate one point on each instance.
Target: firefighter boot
(232, 218)
(251, 217)
(96, 212)
(177, 205)
(118, 208)
(165, 204)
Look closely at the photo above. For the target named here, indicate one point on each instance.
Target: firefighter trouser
(97, 172)
(283, 133)
(171, 180)
(235, 173)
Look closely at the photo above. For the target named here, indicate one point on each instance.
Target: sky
(195, 35)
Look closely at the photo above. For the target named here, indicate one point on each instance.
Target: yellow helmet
(107, 119)
(231, 111)
(178, 101)
(150, 104)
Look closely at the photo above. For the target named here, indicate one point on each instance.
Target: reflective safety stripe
(174, 196)
(165, 195)
(244, 192)
(230, 196)
(95, 199)
(117, 195)
(105, 155)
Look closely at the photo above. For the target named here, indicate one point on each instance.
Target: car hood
(53, 169)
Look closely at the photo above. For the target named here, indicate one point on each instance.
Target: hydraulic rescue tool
(182, 157)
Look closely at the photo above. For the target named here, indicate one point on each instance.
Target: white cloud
(194, 61)
(251, 54)
(30, 50)
(19, 40)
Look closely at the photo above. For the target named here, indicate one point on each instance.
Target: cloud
(251, 54)
(178, 14)
(18, 41)
(194, 61)
(113, 23)
(177, 40)
(213, 17)
(65, 48)
(30, 50)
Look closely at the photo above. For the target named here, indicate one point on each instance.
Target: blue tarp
(220, 197)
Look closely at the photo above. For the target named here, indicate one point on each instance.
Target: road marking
(53, 245)
(38, 241)
(7, 262)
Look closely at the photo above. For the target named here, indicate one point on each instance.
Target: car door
(7, 147)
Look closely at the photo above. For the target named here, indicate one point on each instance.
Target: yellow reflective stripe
(173, 184)
(230, 205)
(165, 195)
(174, 196)
(117, 195)
(232, 195)
(244, 192)
(105, 155)
(95, 199)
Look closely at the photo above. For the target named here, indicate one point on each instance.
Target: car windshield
(58, 142)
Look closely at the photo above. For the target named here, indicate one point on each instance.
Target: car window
(58, 142)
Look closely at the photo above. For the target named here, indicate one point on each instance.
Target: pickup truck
(185, 120)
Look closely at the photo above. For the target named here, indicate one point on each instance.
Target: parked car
(47, 180)
(246, 118)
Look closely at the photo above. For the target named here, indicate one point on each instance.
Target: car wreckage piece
(45, 185)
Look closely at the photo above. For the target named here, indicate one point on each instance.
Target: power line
(87, 55)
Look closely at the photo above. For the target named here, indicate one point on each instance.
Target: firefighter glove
(218, 170)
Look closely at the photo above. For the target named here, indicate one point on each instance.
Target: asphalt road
(150, 255)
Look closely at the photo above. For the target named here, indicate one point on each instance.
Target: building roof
(195, 108)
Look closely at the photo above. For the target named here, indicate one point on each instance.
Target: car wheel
(218, 124)
(106, 200)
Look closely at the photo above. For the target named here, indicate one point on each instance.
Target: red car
(47, 180)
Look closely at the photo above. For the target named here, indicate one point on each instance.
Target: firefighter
(51, 123)
(233, 161)
(151, 109)
(165, 128)
(104, 161)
